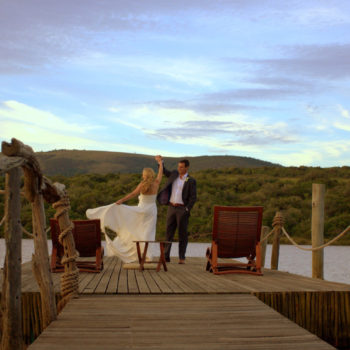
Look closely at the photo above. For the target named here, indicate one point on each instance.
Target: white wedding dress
(131, 223)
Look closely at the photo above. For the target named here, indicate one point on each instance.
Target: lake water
(336, 258)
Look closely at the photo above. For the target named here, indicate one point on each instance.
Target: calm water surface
(336, 258)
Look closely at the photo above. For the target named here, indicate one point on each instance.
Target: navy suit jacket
(189, 191)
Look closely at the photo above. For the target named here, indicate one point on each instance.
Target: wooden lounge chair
(236, 234)
(87, 238)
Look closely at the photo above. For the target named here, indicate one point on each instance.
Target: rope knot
(278, 220)
(62, 206)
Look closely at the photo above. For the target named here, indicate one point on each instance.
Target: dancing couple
(138, 223)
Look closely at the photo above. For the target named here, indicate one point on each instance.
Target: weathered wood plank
(123, 281)
(109, 269)
(132, 283)
(97, 278)
(173, 322)
(152, 285)
(163, 286)
(141, 282)
(113, 282)
(173, 284)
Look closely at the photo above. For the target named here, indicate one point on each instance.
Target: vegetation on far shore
(288, 189)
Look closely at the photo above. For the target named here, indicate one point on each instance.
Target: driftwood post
(11, 289)
(33, 193)
(317, 229)
(277, 225)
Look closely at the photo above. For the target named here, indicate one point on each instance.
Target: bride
(131, 223)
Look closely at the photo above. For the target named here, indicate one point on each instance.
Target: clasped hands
(158, 158)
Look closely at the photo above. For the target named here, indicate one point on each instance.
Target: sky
(267, 79)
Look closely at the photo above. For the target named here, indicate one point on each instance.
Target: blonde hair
(147, 183)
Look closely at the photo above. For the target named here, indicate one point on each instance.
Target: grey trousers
(177, 217)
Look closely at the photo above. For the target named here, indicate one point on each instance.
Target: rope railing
(315, 248)
(279, 230)
(27, 232)
(2, 220)
(267, 236)
(30, 234)
(279, 222)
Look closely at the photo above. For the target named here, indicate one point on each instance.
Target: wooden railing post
(264, 232)
(277, 224)
(41, 263)
(317, 229)
(11, 289)
(33, 182)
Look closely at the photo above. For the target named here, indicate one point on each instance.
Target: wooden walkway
(129, 309)
(213, 322)
(190, 278)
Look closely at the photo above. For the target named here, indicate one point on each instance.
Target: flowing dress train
(130, 223)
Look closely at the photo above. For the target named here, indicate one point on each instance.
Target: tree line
(286, 189)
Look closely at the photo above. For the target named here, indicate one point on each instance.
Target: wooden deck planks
(98, 278)
(236, 321)
(132, 284)
(104, 281)
(113, 282)
(153, 286)
(184, 281)
(181, 279)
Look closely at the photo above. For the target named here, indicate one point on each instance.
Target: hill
(73, 162)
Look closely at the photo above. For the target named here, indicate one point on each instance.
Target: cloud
(305, 70)
(30, 117)
(319, 16)
(327, 118)
(223, 131)
(206, 106)
(344, 112)
(252, 94)
(41, 139)
(225, 101)
(44, 131)
(311, 153)
(38, 33)
(329, 61)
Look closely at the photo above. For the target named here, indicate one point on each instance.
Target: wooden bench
(142, 255)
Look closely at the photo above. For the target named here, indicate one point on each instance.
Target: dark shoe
(181, 261)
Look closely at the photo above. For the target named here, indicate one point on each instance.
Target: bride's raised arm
(158, 179)
(130, 195)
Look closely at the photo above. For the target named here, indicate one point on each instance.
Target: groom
(179, 194)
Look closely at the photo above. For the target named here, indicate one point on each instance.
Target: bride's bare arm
(130, 195)
(158, 179)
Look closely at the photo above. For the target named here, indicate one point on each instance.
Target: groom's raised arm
(166, 172)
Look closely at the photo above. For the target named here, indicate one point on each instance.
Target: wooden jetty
(238, 321)
(124, 308)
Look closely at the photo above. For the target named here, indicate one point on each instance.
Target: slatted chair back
(86, 233)
(236, 230)
(87, 238)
